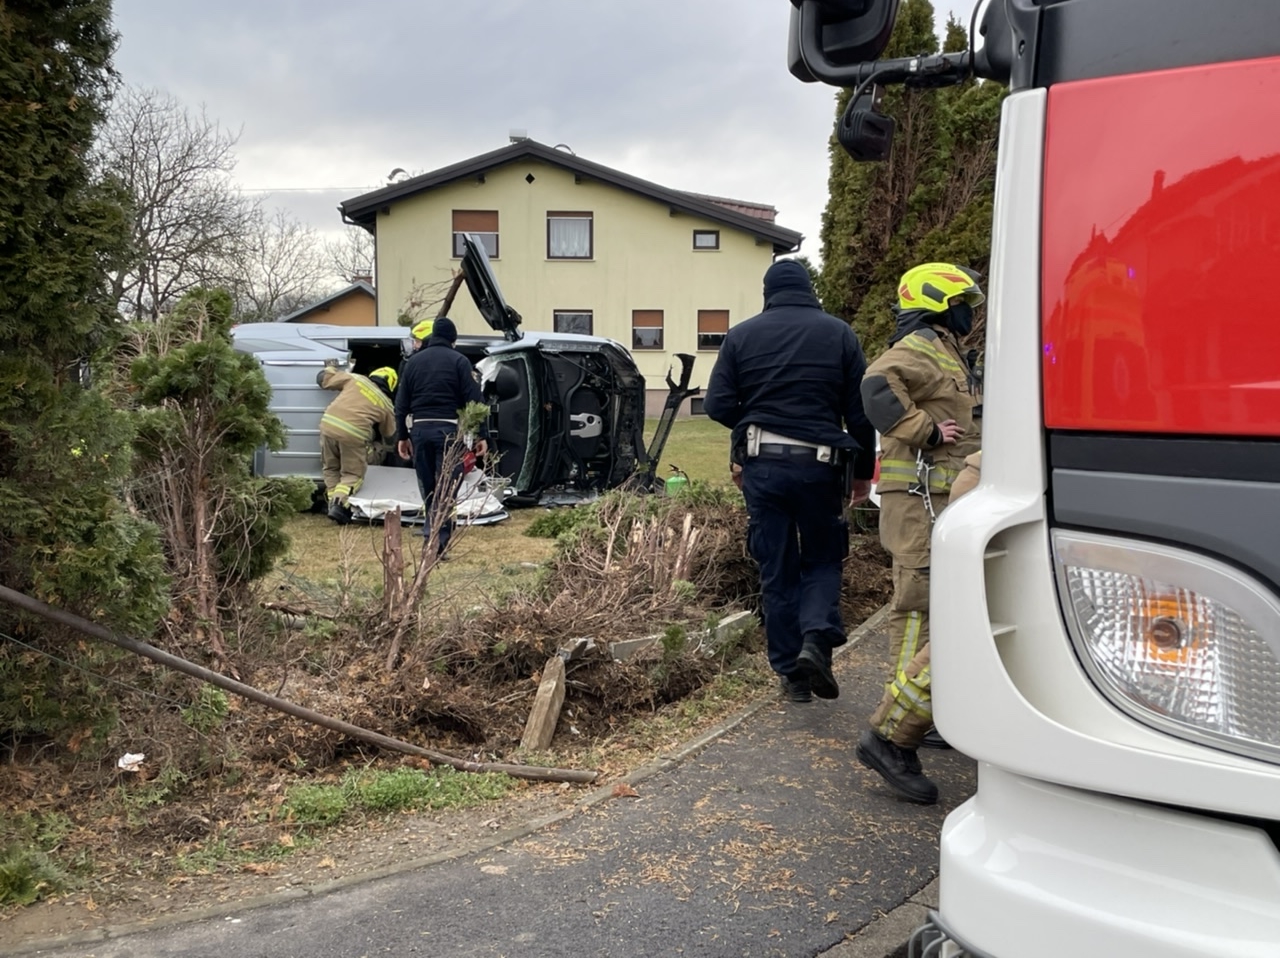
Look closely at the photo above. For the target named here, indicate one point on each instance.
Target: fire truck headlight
(1178, 640)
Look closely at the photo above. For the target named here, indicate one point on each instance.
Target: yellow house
(352, 306)
(578, 248)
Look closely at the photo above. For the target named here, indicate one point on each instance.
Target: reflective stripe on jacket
(920, 381)
(358, 408)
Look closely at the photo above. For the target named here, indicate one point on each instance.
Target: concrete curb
(596, 797)
(887, 936)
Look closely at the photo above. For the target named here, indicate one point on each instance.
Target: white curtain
(570, 237)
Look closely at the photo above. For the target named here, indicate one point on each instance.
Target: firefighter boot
(898, 766)
(933, 739)
(339, 512)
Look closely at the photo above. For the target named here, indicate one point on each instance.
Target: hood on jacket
(787, 283)
(912, 320)
(444, 331)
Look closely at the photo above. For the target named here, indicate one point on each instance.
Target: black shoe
(815, 663)
(899, 767)
(795, 688)
(339, 512)
(933, 739)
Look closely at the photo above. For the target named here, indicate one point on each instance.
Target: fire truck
(1105, 606)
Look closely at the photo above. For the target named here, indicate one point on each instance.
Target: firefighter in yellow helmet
(921, 395)
(421, 332)
(347, 428)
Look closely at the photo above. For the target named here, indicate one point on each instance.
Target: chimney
(517, 136)
(363, 278)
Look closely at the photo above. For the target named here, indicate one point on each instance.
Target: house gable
(364, 209)
(352, 306)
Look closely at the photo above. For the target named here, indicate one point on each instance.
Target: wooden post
(541, 726)
(392, 563)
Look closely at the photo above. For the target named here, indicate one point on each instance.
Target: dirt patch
(208, 819)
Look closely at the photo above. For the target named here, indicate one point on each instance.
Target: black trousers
(798, 536)
(430, 440)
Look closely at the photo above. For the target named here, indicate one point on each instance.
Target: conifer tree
(930, 200)
(203, 410)
(64, 450)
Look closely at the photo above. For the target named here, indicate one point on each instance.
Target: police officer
(921, 395)
(437, 382)
(787, 383)
(347, 427)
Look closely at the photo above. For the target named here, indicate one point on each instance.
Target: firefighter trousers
(905, 712)
(343, 463)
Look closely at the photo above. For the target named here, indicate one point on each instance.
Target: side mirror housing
(829, 39)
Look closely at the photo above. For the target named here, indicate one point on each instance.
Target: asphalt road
(770, 841)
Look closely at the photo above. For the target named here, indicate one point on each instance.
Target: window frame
(706, 249)
(661, 327)
(712, 314)
(557, 313)
(456, 235)
(589, 216)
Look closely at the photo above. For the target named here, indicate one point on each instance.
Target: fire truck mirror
(827, 38)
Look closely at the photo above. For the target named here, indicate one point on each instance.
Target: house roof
(357, 286)
(753, 218)
(759, 210)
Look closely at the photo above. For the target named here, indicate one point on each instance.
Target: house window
(572, 321)
(646, 329)
(712, 326)
(706, 239)
(569, 236)
(483, 223)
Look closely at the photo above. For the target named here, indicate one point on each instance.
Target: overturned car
(566, 415)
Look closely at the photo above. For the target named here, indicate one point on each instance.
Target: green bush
(555, 522)
(315, 804)
(411, 788)
(28, 875)
(208, 711)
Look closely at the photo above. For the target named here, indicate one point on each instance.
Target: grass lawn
(697, 446)
(326, 561)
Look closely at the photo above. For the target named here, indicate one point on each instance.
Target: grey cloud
(336, 94)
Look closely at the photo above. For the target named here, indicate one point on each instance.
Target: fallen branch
(301, 611)
(96, 631)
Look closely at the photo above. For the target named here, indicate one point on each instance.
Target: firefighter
(787, 383)
(921, 395)
(347, 429)
(421, 332)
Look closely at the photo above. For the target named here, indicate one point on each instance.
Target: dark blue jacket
(794, 370)
(435, 384)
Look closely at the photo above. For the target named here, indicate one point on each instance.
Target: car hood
(484, 289)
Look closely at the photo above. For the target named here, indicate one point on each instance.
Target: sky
(329, 97)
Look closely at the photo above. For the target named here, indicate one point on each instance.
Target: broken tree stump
(541, 726)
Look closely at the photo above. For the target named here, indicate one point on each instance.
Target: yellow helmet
(387, 375)
(932, 287)
(423, 329)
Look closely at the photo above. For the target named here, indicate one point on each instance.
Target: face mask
(960, 319)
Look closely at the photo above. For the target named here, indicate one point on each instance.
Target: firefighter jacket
(359, 407)
(921, 380)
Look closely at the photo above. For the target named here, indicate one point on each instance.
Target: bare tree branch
(188, 218)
